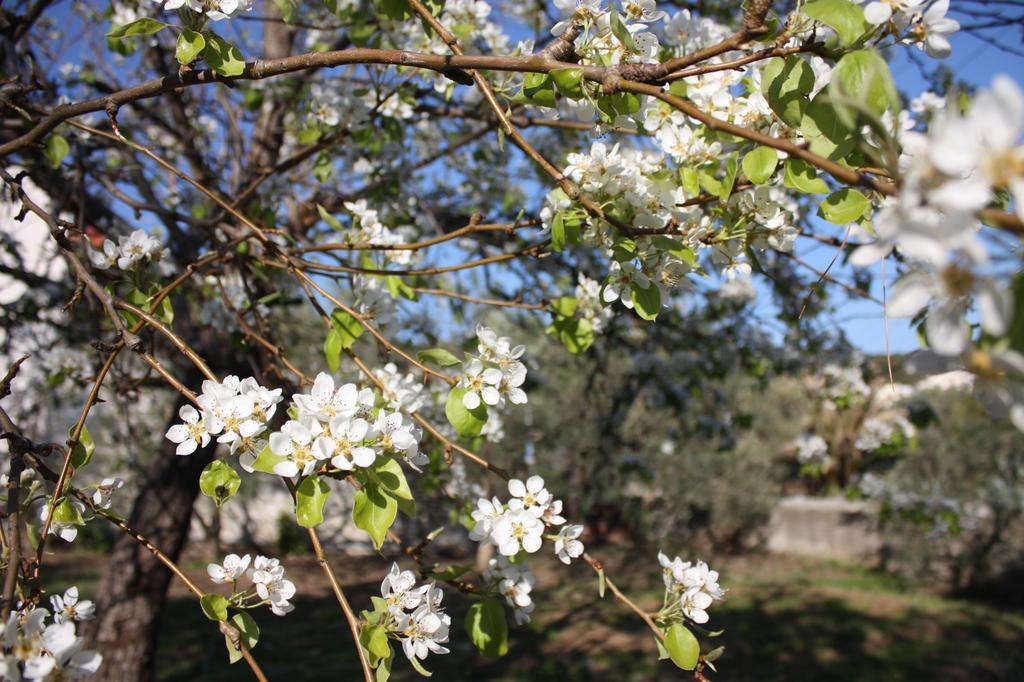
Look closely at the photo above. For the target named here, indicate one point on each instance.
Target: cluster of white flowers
(269, 586)
(690, 587)
(214, 9)
(928, 28)
(374, 301)
(495, 374)
(401, 391)
(519, 525)
(137, 249)
(368, 228)
(341, 425)
(811, 449)
(877, 432)
(844, 383)
(36, 650)
(588, 303)
(236, 410)
(514, 582)
(415, 615)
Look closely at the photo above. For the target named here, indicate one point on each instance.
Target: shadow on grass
(780, 634)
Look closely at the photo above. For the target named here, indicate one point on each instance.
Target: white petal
(909, 295)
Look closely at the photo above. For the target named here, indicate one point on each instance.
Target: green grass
(784, 619)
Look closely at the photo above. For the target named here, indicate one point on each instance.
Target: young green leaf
(374, 511)
(759, 164)
(310, 497)
(219, 481)
(844, 206)
(864, 76)
(189, 45)
(223, 57)
(374, 640)
(786, 84)
(349, 328)
(842, 15)
(802, 177)
(439, 357)
(569, 81)
(139, 27)
(248, 635)
(67, 513)
(267, 460)
(487, 627)
(646, 302)
(55, 148)
(683, 648)
(84, 447)
(466, 422)
(214, 606)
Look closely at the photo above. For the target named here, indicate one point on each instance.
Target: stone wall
(826, 528)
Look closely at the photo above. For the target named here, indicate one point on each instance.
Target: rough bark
(133, 590)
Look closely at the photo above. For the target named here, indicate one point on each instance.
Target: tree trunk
(133, 591)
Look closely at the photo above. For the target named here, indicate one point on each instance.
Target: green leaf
(577, 335)
(188, 46)
(374, 511)
(683, 648)
(565, 229)
(844, 206)
(564, 305)
(731, 171)
(826, 131)
(67, 513)
(802, 177)
(786, 84)
(439, 357)
(374, 640)
(384, 669)
(646, 302)
(223, 57)
(690, 180)
(842, 15)
(487, 627)
(538, 89)
(864, 76)
(84, 447)
(55, 148)
(418, 667)
(466, 422)
(267, 460)
(329, 219)
(332, 349)
(569, 81)
(600, 583)
(219, 481)
(387, 473)
(214, 606)
(310, 497)
(620, 31)
(248, 635)
(348, 327)
(139, 27)
(759, 164)
(398, 288)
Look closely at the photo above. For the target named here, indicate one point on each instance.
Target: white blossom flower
(192, 434)
(515, 530)
(105, 489)
(105, 259)
(423, 631)
(398, 590)
(567, 545)
(345, 444)
(295, 442)
(233, 568)
(531, 497)
(271, 585)
(68, 607)
(481, 384)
